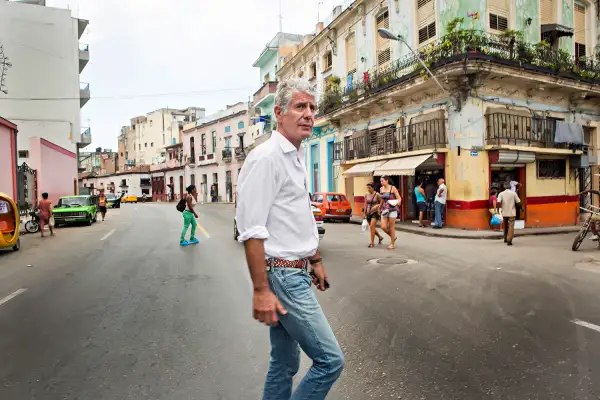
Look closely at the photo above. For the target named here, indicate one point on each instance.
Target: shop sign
(474, 153)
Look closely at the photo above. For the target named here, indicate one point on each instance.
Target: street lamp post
(387, 34)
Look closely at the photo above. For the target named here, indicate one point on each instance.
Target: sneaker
(184, 243)
(594, 237)
(194, 241)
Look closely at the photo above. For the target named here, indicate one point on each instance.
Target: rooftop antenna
(280, 17)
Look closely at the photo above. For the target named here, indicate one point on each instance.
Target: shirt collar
(285, 144)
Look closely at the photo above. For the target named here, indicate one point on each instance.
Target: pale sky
(204, 49)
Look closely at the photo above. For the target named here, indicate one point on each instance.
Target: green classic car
(75, 209)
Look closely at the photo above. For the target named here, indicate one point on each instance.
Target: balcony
(227, 155)
(464, 47)
(81, 25)
(84, 56)
(511, 129)
(84, 93)
(240, 153)
(265, 94)
(207, 159)
(430, 134)
(86, 138)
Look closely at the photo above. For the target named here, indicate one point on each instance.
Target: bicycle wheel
(585, 228)
(32, 226)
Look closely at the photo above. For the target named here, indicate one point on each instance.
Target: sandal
(380, 239)
(371, 245)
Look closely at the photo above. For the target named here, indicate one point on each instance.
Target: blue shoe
(184, 243)
(194, 241)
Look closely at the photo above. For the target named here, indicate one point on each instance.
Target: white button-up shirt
(273, 202)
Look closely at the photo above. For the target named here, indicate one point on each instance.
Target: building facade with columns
(517, 100)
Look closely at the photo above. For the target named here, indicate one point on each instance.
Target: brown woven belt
(277, 262)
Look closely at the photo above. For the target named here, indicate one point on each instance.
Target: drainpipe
(16, 155)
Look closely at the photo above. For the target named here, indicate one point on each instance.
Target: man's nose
(308, 112)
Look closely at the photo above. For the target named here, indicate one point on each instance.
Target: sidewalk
(454, 233)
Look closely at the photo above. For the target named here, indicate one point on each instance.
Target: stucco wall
(7, 162)
(56, 168)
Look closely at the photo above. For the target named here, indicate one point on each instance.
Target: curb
(484, 237)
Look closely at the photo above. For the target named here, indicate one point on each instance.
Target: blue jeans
(304, 326)
(439, 210)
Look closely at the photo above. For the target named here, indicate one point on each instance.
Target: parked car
(130, 198)
(75, 209)
(113, 201)
(318, 218)
(334, 206)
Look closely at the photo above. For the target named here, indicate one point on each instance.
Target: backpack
(181, 205)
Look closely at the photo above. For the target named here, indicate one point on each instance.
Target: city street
(119, 311)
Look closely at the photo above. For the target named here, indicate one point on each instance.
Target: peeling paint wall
(466, 128)
(567, 43)
(450, 9)
(402, 22)
(528, 9)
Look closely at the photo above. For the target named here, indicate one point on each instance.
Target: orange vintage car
(334, 206)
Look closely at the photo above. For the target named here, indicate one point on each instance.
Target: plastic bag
(365, 225)
(495, 221)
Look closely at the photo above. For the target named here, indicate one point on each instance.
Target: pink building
(56, 168)
(8, 158)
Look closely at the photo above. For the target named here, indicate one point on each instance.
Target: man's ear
(277, 111)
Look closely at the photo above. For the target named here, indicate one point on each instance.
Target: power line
(133, 96)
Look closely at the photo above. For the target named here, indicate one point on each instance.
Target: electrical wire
(127, 96)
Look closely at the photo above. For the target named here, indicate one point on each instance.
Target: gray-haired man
(277, 227)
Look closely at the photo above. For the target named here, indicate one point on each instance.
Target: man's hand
(320, 276)
(195, 215)
(266, 306)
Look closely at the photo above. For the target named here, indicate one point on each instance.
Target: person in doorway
(371, 214)
(515, 186)
(102, 204)
(281, 242)
(421, 204)
(213, 193)
(595, 216)
(189, 216)
(509, 202)
(440, 203)
(45, 208)
(390, 206)
(493, 204)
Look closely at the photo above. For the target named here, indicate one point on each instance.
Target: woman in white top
(189, 216)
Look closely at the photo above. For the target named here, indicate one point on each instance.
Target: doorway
(512, 175)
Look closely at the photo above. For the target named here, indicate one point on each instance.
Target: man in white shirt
(440, 204)
(510, 202)
(280, 236)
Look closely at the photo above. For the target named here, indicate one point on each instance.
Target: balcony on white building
(85, 139)
(84, 93)
(81, 25)
(84, 56)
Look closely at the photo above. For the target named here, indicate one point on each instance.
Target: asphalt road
(119, 311)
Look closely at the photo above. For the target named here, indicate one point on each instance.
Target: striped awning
(363, 169)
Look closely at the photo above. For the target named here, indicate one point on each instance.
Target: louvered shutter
(579, 24)
(426, 20)
(383, 45)
(351, 54)
(547, 12)
(498, 15)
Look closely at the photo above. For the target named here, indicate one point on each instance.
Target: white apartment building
(148, 136)
(215, 148)
(41, 91)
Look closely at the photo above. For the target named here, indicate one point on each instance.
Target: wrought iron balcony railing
(227, 155)
(240, 153)
(418, 136)
(459, 46)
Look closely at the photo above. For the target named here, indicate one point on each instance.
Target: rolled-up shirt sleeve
(256, 191)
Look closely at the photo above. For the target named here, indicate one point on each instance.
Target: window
(23, 153)
(139, 146)
(580, 28)
(547, 12)
(317, 198)
(313, 70)
(164, 139)
(192, 179)
(214, 141)
(145, 145)
(192, 150)
(552, 169)
(327, 60)
(426, 20)
(227, 129)
(151, 144)
(241, 125)
(498, 23)
(203, 144)
(351, 54)
(228, 142)
(267, 78)
(384, 50)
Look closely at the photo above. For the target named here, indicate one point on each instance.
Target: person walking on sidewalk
(421, 205)
(102, 204)
(390, 202)
(189, 216)
(371, 214)
(281, 242)
(509, 202)
(440, 203)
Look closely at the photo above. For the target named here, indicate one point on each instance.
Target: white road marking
(586, 325)
(12, 296)
(108, 234)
